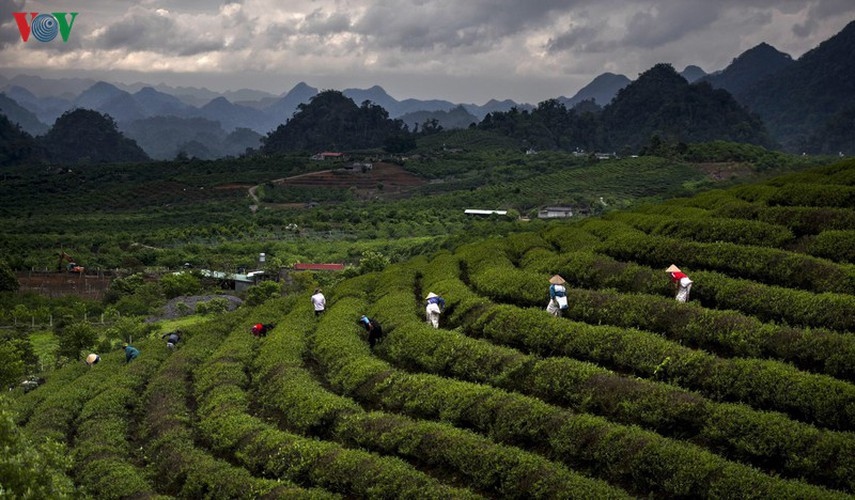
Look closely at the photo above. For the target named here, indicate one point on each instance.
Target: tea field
(746, 391)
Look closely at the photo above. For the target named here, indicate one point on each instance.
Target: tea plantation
(746, 391)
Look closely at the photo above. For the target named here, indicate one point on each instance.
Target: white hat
(673, 269)
(431, 295)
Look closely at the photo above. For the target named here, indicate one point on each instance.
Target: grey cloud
(577, 37)
(147, 30)
(669, 21)
(8, 27)
(447, 24)
(320, 23)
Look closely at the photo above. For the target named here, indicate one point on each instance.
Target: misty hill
(16, 146)
(156, 103)
(454, 118)
(286, 106)
(805, 97)
(87, 136)
(165, 137)
(693, 73)
(493, 106)
(602, 90)
(21, 116)
(751, 66)
(46, 109)
(661, 102)
(232, 116)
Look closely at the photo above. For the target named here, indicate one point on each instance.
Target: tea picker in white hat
(434, 305)
(557, 296)
(681, 281)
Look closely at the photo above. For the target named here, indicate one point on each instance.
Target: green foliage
(262, 292)
(30, 469)
(75, 338)
(217, 305)
(175, 285)
(11, 363)
(8, 280)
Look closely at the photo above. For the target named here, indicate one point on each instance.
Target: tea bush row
(225, 422)
(726, 332)
(103, 458)
(613, 452)
(302, 404)
(767, 265)
(768, 440)
(712, 289)
(817, 399)
(181, 468)
(800, 220)
(710, 229)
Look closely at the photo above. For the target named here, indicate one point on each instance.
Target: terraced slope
(746, 391)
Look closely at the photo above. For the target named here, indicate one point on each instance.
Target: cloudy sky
(459, 50)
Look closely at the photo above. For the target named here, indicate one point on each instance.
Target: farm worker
(433, 307)
(319, 302)
(131, 353)
(261, 329)
(375, 331)
(681, 281)
(93, 359)
(557, 296)
(172, 338)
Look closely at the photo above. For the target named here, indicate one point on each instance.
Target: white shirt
(319, 301)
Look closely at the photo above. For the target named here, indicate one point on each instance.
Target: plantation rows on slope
(747, 391)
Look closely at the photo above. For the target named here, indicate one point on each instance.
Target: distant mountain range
(795, 98)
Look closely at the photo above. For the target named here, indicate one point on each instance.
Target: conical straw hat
(673, 269)
(430, 295)
(557, 280)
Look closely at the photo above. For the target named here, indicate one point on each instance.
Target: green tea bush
(526, 421)
(813, 195)
(711, 229)
(834, 245)
(770, 385)
(767, 265)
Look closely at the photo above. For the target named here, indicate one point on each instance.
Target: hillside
(748, 390)
(814, 92)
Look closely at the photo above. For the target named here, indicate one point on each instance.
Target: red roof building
(300, 266)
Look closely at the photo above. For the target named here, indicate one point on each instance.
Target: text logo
(45, 27)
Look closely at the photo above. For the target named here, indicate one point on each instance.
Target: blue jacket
(131, 353)
(437, 300)
(557, 293)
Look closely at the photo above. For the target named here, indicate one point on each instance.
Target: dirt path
(253, 191)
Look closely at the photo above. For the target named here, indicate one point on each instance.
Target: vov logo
(45, 27)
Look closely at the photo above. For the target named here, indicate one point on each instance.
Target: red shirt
(676, 277)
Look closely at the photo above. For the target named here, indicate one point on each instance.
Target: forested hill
(659, 103)
(814, 93)
(86, 136)
(333, 122)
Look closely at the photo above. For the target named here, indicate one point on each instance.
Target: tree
(8, 280)
(262, 292)
(175, 285)
(74, 338)
(11, 363)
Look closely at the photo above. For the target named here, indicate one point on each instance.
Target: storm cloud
(462, 51)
